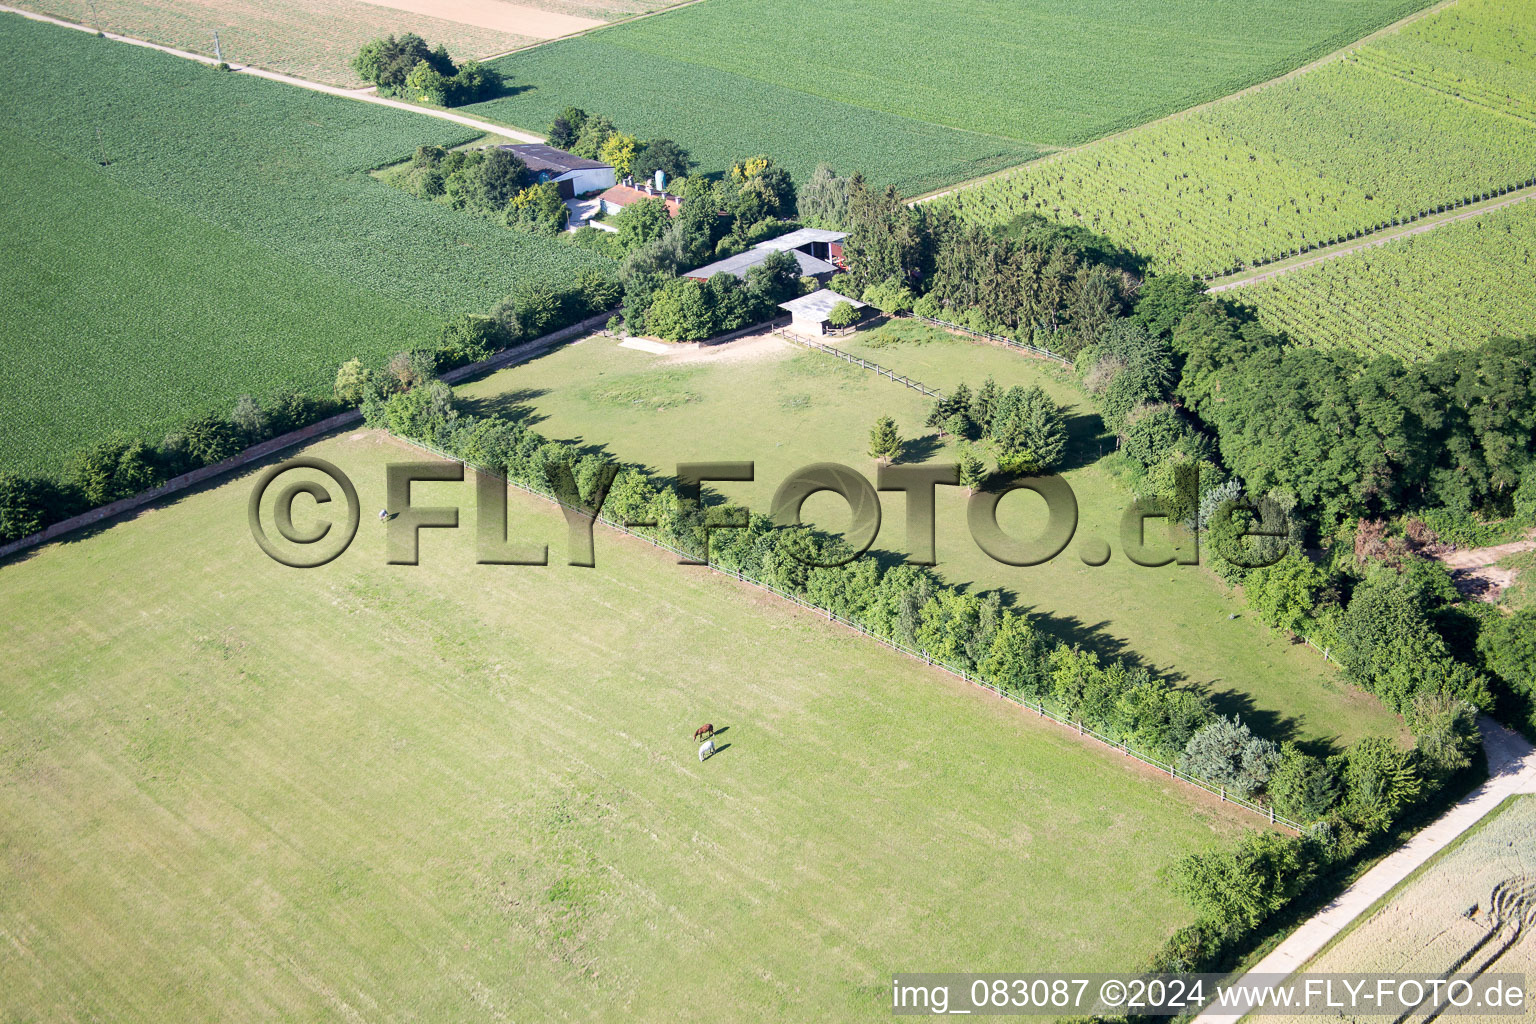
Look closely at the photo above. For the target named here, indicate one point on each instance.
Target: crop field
(456, 792)
(248, 245)
(785, 408)
(1287, 168)
(1021, 74)
(1470, 910)
(1453, 287)
(313, 39)
(122, 311)
(722, 117)
(1483, 51)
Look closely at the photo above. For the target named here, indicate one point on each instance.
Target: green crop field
(1286, 168)
(783, 408)
(232, 242)
(721, 117)
(1479, 50)
(450, 792)
(1452, 287)
(123, 312)
(1022, 75)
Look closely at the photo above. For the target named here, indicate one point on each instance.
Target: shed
(573, 175)
(817, 242)
(739, 264)
(808, 314)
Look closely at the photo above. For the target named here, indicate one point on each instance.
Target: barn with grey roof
(573, 175)
(819, 253)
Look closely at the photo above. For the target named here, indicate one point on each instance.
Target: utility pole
(216, 51)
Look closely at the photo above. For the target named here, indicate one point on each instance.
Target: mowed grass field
(448, 792)
(232, 241)
(1027, 73)
(785, 408)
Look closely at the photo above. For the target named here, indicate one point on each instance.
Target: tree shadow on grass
(512, 405)
(920, 449)
(1265, 722)
(507, 91)
(1087, 441)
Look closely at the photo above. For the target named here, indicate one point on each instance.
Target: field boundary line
(1326, 58)
(668, 9)
(1514, 196)
(360, 95)
(1041, 711)
(998, 339)
(1511, 771)
(1369, 64)
(272, 445)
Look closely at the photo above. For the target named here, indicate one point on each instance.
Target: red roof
(623, 195)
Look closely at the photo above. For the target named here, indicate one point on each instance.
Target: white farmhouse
(573, 175)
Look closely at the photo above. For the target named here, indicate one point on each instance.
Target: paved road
(1381, 239)
(362, 95)
(1511, 770)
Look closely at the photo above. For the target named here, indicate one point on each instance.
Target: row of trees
(1352, 799)
(120, 466)
(1350, 435)
(596, 137)
(1356, 794)
(408, 67)
(1347, 447)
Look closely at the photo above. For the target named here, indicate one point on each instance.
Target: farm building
(808, 314)
(574, 175)
(823, 245)
(616, 199)
(820, 254)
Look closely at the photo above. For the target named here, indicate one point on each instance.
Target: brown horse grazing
(703, 731)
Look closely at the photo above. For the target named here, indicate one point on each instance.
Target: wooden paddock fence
(879, 371)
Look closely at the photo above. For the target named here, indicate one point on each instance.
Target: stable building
(808, 314)
(822, 245)
(572, 174)
(819, 253)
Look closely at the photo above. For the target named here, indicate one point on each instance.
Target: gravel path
(362, 95)
(1511, 770)
(1386, 236)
